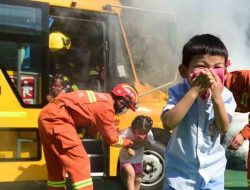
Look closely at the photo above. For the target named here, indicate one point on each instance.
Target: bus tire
(153, 167)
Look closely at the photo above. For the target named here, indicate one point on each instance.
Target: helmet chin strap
(119, 109)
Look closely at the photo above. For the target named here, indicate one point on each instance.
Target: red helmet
(128, 93)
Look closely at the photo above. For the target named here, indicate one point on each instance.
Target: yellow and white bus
(98, 59)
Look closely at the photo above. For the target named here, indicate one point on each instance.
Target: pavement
(234, 180)
(108, 183)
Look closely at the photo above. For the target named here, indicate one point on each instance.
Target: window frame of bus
(41, 39)
(90, 16)
(114, 34)
(38, 144)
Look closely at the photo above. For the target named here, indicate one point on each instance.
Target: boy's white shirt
(191, 150)
(124, 157)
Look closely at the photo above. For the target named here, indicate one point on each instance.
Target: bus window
(23, 47)
(153, 45)
(83, 61)
(19, 144)
(20, 19)
(23, 66)
(121, 72)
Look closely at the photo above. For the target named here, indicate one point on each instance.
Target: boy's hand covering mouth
(218, 71)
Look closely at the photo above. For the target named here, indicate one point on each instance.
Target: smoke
(226, 19)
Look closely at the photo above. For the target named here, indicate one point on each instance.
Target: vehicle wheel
(153, 167)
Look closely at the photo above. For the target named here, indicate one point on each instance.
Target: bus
(98, 59)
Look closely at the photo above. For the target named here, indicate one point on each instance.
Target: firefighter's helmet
(127, 93)
(58, 41)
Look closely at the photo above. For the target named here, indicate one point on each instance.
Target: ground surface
(234, 180)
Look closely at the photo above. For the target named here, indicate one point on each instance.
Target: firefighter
(76, 62)
(60, 46)
(63, 149)
(58, 41)
(239, 83)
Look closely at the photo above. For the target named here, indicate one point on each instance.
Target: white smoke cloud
(227, 19)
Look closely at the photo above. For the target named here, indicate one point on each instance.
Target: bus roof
(92, 5)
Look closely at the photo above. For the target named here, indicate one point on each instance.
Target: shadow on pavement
(101, 183)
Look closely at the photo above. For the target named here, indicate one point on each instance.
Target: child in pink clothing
(131, 165)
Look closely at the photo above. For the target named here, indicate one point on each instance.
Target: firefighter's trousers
(63, 150)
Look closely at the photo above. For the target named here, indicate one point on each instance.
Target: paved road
(109, 184)
(234, 180)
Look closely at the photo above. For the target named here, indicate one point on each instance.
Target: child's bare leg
(138, 179)
(128, 176)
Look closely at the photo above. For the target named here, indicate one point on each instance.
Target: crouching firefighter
(63, 149)
(238, 82)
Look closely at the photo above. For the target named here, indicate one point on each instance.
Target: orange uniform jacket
(238, 82)
(63, 149)
(91, 110)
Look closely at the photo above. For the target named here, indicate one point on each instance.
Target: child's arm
(171, 118)
(131, 152)
(238, 139)
(220, 114)
(236, 142)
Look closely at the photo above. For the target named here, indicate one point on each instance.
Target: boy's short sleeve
(230, 105)
(172, 99)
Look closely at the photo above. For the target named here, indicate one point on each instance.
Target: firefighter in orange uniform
(63, 149)
(238, 82)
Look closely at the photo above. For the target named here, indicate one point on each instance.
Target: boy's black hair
(201, 45)
(142, 122)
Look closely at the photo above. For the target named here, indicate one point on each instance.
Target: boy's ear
(183, 70)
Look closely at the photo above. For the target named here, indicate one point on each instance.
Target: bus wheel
(153, 167)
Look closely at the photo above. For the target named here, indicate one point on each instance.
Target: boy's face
(200, 62)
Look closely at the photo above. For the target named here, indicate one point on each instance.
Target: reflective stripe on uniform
(65, 78)
(56, 183)
(91, 96)
(98, 136)
(248, 181)
(119, 143)
(93, 72)
(83, 183)
(74, 87)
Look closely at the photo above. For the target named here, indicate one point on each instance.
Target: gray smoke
(227, 19)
